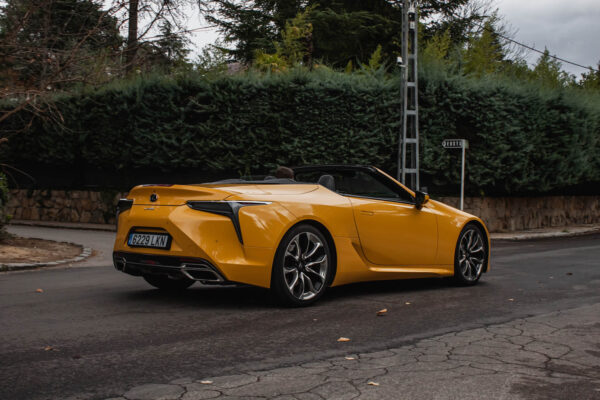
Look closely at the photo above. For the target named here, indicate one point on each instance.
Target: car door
(395, 233)
(391, 230)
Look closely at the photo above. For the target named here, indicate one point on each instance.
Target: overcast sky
(569, 29)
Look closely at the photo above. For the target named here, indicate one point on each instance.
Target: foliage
(343, 30)
(56, 41)
(295, 47)
(591, 79)
(168, 53)
(548, 71)
(524, 138)
(375, 62)
(212, 59)
(484, 53)
(266, 62)
(437, 48)
(296, 38)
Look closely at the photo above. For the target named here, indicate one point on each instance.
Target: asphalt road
(109, 331)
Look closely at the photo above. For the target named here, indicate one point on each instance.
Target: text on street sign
(455, 143)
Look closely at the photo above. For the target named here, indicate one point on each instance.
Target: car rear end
(194, 232)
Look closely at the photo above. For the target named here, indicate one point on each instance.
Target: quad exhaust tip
(201, 271)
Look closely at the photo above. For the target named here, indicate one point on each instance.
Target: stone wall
(505, 214)
(64, 206)
(501, 214)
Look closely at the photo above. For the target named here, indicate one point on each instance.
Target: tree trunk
(132, 39)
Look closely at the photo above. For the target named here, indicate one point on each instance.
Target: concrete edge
(85, 253)
(517, 236)
(65, 225)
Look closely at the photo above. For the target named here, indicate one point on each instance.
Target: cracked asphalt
(529, 330)
(556, 355)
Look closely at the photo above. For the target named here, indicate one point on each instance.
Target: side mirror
(421, 198)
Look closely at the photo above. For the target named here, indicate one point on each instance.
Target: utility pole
(408, 151)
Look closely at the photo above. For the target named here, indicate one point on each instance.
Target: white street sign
(459, 144)
(455, 143)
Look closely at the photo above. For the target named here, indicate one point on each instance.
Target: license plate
(152, 240)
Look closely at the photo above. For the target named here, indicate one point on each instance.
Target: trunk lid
(176, 195)
(173, 195)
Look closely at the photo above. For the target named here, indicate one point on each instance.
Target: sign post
(464, 145)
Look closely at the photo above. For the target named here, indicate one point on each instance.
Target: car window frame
(383, 179)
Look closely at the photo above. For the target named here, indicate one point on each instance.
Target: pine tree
(591, 79)
(343, 30)
(548, 71)
(484, 53)
(436, 49)
(53, 43)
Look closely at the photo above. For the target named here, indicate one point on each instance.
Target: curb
(516, 236)
(85, 253)
(64, 225)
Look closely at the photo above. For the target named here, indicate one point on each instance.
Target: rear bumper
(197, 269)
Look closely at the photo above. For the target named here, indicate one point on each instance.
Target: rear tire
(167, 284)
(302, 267)
(471, 255)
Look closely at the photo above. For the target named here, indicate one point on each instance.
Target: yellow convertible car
(332, 225)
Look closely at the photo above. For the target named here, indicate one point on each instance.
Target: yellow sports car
(330, 226)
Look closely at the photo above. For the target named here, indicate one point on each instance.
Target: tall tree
(167, 53)
(484, 53)
(155, 14)
(549, 72)
(132, 34)
(591, 79)
(343, 30)
(53, 43)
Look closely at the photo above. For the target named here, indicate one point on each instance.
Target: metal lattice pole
(408, 152)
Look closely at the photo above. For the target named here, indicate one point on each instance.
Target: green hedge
(523, 138)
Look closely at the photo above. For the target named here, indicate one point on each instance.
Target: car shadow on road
(413, 287)
(210, 296)
(248, 297)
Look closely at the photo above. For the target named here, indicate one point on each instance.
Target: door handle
(369, 213)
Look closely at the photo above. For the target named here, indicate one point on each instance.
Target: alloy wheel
(305, 266)
(472, 254)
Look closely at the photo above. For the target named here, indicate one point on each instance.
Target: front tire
(168, 284)
(302, 267)
(471, 255)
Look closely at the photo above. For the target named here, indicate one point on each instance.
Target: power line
(204, 28)
(532, 48)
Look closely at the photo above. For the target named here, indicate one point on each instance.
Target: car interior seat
(328, 181)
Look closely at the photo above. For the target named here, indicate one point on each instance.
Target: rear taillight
(122, 205)
(229, 209)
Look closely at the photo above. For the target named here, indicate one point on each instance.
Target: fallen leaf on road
(39, 290)
(48, 348)
(382, 312)
(511, 299)
(343, 339)
(350, 358)
(569, 273)
(206, 382)
(407, 303)
(551, 277)
(373, 383)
